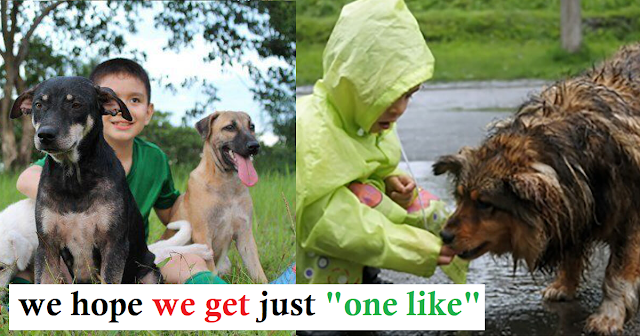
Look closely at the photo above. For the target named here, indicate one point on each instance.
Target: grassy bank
(477, 40)
(273, 230)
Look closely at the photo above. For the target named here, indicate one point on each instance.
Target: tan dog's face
(232, 137)
(499, 192)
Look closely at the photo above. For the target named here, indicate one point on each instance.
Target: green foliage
(182, 144)
(489, 39)
(278, 158)
(323, 8)
(221, 24)
(275, 89)
(495, 25)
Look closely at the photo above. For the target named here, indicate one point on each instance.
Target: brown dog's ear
(448, 164)
(111, 104)
(527, 186)
(204, 125)
(452, 164)
(540, 186)
(23, 103)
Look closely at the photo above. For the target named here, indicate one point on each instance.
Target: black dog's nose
(447, 236)
(253, 147)
(47, 133)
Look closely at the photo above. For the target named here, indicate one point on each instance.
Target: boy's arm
(29, 180)
(164, 215)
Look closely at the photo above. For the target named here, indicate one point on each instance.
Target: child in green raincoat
(351, 200)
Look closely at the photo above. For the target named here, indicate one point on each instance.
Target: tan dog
(217, 201)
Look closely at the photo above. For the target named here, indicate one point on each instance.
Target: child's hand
(446, 255)
(400, 188)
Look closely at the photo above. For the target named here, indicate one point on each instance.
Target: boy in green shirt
(146, 166)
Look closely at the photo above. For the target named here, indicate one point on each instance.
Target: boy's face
(133, 93)
(393, 113)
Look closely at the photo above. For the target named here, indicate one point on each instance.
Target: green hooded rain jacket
(376, 53)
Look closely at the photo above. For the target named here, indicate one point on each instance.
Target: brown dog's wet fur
(560, 176)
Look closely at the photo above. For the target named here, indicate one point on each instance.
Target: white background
(328, 316)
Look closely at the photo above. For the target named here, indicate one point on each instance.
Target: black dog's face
(64, 110)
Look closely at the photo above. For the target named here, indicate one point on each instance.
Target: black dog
(85, 211)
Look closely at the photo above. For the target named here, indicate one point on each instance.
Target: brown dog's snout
(253, 147)
(447, 236)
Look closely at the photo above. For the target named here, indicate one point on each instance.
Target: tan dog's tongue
(246, 172)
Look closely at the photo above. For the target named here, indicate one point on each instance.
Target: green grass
(321, 8)
(4, 330)
(273, 230)
(480, 40)
(456, 61)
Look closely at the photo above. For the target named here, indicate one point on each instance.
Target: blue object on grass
(288, 277)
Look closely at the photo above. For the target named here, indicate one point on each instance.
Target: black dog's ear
(23, 103)
(111, 104)
(204, 125)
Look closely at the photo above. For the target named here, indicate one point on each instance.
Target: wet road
(441, 119)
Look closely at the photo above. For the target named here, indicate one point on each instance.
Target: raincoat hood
(375, 54)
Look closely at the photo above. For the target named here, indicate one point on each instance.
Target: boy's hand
(400, 188)
(28, 181)
(446, 255)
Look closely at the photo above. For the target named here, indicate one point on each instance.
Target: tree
(19, 21)
(275, 89)
(182, 144)
(232, 29)
(570, 25)
(272, 35)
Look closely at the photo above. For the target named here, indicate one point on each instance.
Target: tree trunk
(9, 149)
(570, 25)
(26, 143)
(9, 152)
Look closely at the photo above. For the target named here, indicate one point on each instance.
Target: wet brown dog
(217, 201)
(559, 177)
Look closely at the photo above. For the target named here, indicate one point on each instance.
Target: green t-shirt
(149, 179)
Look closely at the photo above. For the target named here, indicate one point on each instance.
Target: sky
(232, 82)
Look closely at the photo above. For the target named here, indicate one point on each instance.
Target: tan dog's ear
(23, 103)
(204, 125)
(111, 103)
